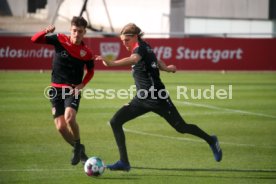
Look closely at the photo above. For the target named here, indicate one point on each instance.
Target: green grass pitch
(32, 151)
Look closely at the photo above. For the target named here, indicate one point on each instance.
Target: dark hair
(131, 30)
(79, 22)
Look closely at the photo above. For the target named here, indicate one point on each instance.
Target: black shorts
(60, 99)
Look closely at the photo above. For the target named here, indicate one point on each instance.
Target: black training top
(69, 60)
(146, 71)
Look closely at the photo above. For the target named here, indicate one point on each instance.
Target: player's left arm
(40, 37)
(88, 76)
(133, 59)
(167, 68)
(89, 72)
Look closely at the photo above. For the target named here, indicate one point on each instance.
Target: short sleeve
(140, 50)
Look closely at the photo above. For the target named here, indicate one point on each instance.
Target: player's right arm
(167, 68)
(40, 36)
(131, 60)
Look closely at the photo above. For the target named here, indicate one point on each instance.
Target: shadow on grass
(208, 170)
(262, 174)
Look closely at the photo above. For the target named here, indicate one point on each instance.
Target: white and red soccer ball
(94, 166)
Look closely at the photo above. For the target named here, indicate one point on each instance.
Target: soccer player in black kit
(72, 56)
(151, 95)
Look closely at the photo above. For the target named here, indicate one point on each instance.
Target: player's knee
(70, 119)
(115, 123)
(112, 122)
(181, 128)
(70, 116)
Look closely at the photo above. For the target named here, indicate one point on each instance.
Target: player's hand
(50, 29)
(77, 89)
(98, 58)
(171, 68)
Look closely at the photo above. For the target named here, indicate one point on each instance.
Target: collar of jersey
(135, 46)
(78, 51)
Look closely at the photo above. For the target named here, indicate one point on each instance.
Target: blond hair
(131, 30)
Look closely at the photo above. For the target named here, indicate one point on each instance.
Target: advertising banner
(19, 53)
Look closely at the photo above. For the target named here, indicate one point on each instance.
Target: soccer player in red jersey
(72, 56)
(151, 95)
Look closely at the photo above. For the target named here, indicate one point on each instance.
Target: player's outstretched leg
(119, 166)
(171, 114)
(216, 149)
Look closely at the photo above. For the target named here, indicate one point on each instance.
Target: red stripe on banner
(185, 53)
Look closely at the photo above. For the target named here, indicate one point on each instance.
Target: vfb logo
(110, 50)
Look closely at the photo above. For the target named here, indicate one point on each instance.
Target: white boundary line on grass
(34, 170)
(193, 140)
(227, 109)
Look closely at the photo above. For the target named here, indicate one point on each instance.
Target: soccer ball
(94, 166)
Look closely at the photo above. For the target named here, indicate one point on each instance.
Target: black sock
(196, 131)
(77, 143)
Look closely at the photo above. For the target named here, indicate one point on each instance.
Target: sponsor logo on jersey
(64, 54)
(154, 65)
(110, 50)
(82, 53)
